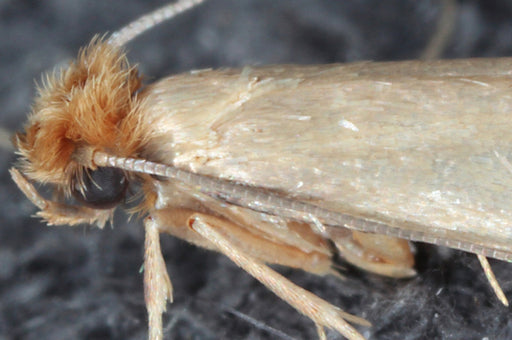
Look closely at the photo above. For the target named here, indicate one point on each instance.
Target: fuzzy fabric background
(85, 283)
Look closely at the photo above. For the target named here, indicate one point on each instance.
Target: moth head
(91, 105)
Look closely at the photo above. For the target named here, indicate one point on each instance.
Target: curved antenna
(150, 20)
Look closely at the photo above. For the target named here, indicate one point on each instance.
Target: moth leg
(492, 279)
(320, 311)
(378, 254)
(157, 284)
(312, 255)
(56, 213)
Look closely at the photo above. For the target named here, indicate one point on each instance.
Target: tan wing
(410, 144)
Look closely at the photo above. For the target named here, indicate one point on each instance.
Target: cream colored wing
(409, 144)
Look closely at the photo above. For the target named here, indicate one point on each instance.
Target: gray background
(84, 283)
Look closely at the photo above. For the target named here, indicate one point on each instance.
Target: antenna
(148, 21)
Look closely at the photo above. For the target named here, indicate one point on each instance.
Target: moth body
(285, 164)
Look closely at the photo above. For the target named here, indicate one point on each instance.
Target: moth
(280, 164)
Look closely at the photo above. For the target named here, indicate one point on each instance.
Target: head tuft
(92, 103)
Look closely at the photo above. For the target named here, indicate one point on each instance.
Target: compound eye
(103, 188)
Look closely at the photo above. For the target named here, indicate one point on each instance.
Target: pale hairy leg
(320, 311)
(489, 274)
(157, 284)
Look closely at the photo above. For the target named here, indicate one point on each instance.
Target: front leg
(157, 285)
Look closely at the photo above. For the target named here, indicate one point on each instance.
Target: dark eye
(103, 188)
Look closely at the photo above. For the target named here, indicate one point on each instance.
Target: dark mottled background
(84, 283)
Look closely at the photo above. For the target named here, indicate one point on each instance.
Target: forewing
(410, 144)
